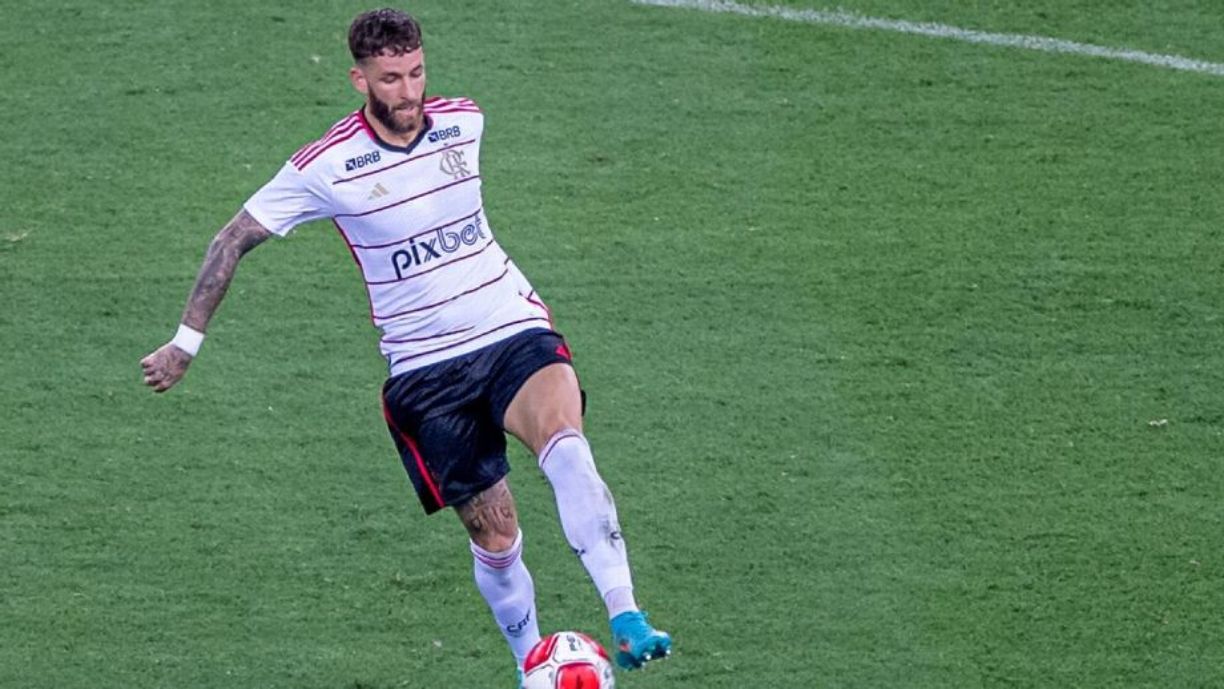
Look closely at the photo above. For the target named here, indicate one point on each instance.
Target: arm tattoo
(239, 236)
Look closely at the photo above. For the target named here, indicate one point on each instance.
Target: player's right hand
(165, 367)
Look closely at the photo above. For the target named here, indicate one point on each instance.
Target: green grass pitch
(904, 355)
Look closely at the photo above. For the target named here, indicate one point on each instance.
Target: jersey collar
(392, 147)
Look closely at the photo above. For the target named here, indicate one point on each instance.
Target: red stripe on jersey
(448, 106)
(449, 101)
(326, 134)
(406, 160)
(421, 234)
(410, 198)
(340, 125)
(503, 326)
(301, 159)
(537, 302)
(433, 107)
(352, 115)
(448, 300)
(357, 260)
(438, 100)
(365, 124)
(441, 265)
(451, 111)
(402, 340)
(331, 144)
(327, 142)
(344, 127)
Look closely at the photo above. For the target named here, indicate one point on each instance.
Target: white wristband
(188, 339)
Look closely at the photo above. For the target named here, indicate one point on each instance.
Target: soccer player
(469, 344)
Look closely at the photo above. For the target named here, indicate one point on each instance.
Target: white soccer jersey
(413, 218)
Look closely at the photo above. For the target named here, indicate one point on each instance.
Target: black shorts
(446, 419)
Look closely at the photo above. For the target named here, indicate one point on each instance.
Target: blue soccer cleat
(518, 683)
(637, 643)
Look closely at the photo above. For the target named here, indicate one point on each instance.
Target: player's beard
(399, 120)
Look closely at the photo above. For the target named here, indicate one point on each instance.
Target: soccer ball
(568, 660)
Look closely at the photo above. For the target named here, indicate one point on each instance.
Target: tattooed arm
(167, 366)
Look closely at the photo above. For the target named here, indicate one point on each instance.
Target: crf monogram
(517, 628)
(433, 245)
(454, 165)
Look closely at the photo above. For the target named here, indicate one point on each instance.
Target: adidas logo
(378, 192)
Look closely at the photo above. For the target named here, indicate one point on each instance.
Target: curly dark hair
(386, 31)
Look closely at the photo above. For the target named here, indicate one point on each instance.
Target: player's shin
(588, 517)
(507, 587)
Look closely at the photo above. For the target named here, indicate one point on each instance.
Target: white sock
(620, 600)
(588, 517)
(507, 587)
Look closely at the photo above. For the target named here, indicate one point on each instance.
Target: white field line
(850, 20)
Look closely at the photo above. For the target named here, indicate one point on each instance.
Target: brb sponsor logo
(443, 134)
(362, 161)
(434, 245)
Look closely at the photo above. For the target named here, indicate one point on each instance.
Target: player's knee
(570, 468)
(565, 444)
(549, 402)
(555, 426)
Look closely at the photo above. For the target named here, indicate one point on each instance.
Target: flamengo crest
(454, 165)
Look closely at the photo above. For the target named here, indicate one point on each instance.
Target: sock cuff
(502, 559)
(557, 437)
(619, 600)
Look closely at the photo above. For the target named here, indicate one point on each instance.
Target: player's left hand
(165, 367)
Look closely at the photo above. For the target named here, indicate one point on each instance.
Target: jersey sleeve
(288, 200)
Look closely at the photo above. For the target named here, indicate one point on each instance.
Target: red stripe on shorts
(416, 454)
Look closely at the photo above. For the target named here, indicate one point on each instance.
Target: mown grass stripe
(851, 20)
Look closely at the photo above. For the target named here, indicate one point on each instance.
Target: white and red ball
(568, 660)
